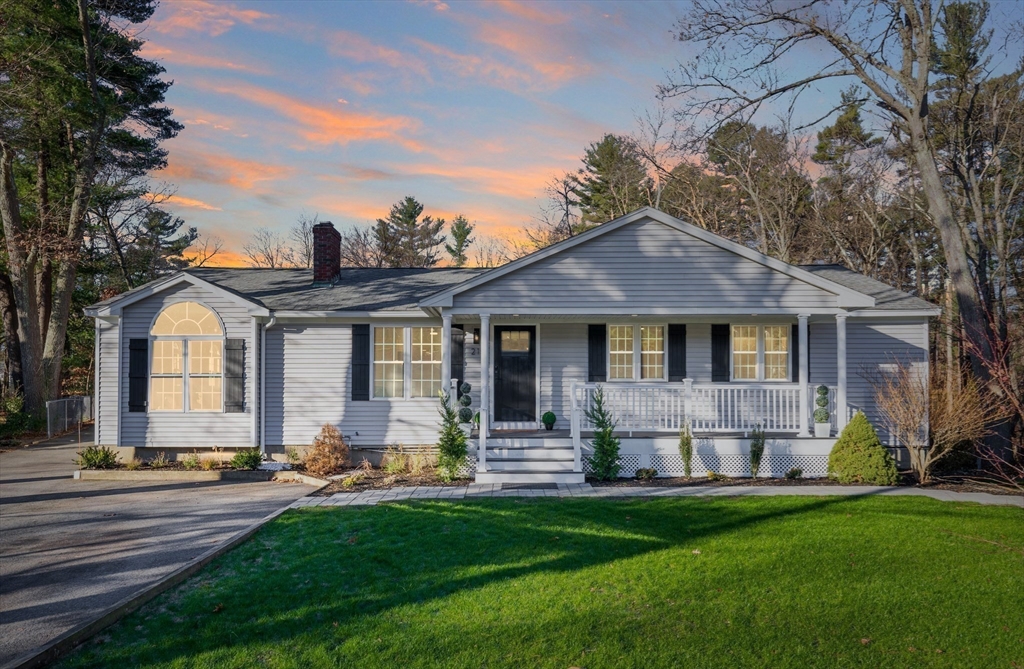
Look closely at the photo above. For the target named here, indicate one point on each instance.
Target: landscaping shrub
(452, 444)
(859, 457)
(97, 457)
(133, 464)
(605, 460)
(646, 474)
(351, 481)
(756, 450)
(795, 473)
(190, 461)
(293, 455)
(209, 464)
(159, 461)
(395, 460)
(249, 458)
(329, 454)
(686, 448)
(715, 476)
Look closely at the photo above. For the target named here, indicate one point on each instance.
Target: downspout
(263, 384)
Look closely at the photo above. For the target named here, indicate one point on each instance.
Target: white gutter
(263, 384)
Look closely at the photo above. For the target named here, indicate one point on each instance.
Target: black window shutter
(138, 371)
(720, 352)
(234, 376)
(597, 367)
(360, 362)
(794, 363)
(458, 356)
(676, 352)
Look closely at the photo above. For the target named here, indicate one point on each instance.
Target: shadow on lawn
(320, 567)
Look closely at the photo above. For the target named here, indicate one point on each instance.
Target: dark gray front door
(515, 373)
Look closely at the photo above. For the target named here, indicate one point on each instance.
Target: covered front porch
(553, 364)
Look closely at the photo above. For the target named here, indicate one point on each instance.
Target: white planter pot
(823, 430)
(467, 429)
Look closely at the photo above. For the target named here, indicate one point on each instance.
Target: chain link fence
(64, 414)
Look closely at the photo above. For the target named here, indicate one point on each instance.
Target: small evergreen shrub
(756, 450)
(646, 474)
(548, 418)
(97, 457)
(329, 453)
(190, 461)
(858, 456)
(605, 460)
(452, 444)
(795, 474)
(821, 414)
(686, 449)
(249, 458)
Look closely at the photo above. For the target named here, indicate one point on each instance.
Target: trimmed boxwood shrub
(859, 457)
(250, 458)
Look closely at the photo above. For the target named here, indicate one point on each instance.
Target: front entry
(515, 375)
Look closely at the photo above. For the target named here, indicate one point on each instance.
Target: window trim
(760, 353)
(406, 361)
(637, 353)
(185, 367)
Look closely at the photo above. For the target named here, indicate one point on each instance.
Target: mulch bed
(378, 479)
(957, 483)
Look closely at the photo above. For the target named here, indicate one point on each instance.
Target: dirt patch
(377, 479)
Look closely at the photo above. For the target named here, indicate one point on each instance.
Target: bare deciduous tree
(301, 235)
(205, 249)
(268, 250)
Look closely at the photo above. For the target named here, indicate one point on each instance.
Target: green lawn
(741, 582)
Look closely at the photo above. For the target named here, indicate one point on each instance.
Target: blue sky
(342, 108)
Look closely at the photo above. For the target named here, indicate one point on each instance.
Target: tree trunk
(9, 315)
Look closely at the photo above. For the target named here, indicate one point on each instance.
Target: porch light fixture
(476, 335)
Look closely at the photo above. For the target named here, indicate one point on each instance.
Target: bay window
(406, 362)
(760, 352)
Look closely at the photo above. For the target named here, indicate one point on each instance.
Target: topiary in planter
(548, 419)
(465, 414)
(821, 414)
(858, 456)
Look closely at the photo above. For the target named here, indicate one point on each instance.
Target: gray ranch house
(675, 324)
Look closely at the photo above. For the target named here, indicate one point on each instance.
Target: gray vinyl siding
(563, 359)
(646, 265)
(822, 358)
(698, 352)
(309, 381)
(106, 384)
(197, 429)
(871, 345)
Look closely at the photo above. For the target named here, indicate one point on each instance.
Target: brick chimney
(326, 252)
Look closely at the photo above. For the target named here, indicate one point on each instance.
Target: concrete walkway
(71, 549)
(479, 490)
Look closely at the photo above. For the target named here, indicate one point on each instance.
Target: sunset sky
(340, 109)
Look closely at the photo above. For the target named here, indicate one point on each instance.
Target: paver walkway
(70, 549)
(478, 490)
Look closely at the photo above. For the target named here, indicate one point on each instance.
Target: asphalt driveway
(71, 549)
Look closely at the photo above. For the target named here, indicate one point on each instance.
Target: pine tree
(405, 240)
(452, 443)
(613, 181)
(605, 461)
(460, 232)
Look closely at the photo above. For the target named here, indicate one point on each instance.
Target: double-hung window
(636, 352)
(185, 372)
(406, 362)
(760, 352)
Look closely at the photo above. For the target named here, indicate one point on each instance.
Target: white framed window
(388, 362)
(426, 362)
(406, 362)
(760, 353)
(187, 350)
(636, 352)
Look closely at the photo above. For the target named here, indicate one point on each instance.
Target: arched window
(188, 350)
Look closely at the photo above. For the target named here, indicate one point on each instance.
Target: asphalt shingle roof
(353, 290)
(886, 297)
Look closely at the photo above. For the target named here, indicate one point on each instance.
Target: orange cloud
(197, 165)
(510, 182)
(166, 55)
(183, 201)
(362, 50)
(323, 125)
(538, 50)
(467, 65)
(191, 16)
(531, 12)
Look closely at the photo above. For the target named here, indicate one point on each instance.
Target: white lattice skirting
(813, 466)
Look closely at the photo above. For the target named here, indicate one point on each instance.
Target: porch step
(507, 465)
(529, 477)
(530, 454)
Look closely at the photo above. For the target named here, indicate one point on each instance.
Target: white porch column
(446, 353)
(485, 389)
(804, 343)
(840, 372)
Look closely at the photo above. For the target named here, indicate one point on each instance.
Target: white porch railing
(650, 407)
